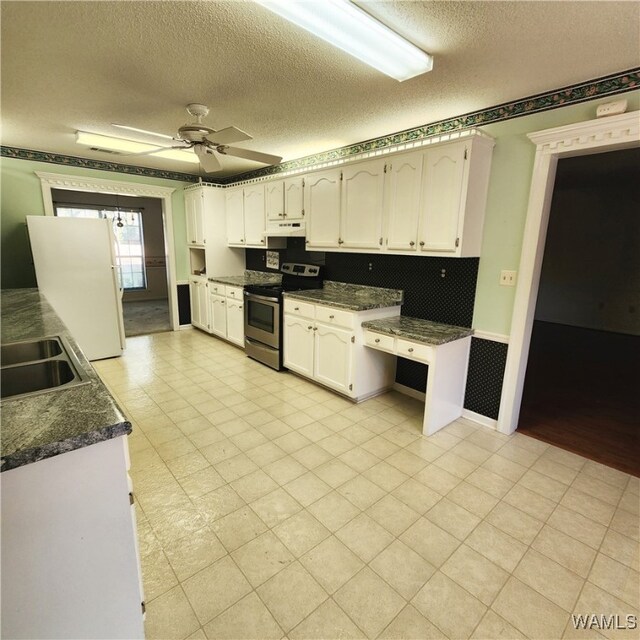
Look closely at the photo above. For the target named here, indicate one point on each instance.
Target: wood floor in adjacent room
(582, 393)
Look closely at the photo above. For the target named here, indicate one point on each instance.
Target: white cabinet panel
(254, 220)
(199, 304)
(403, 201)
(294, 198)
(322, 206)
(218, 322)
(442, 187)
(362, 205)
(235, 321)
(333, 357)
(298, 345)
(194, 212)
(234, 206)
(274, 200)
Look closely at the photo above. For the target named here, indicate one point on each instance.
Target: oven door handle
(257, 297)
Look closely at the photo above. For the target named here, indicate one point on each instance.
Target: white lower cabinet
(235, 321)
(226, 312)
(198, 294)
(218, 325)
(327, 345)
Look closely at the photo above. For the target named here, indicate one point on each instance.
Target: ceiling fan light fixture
(131, 146)
(344, 25)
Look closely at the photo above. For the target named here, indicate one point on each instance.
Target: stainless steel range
(263, 311)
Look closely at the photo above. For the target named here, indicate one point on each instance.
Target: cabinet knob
(412, 243)
(296, 308)
(309, 327)
(241, 239)
(422, 243)
(410, 349)
(315, 328)
(331, 317)
(340, 241)
(280, 215)
(222, 302)
(377, 340)
(262, 241)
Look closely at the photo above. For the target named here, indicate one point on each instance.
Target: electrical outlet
(508, 278)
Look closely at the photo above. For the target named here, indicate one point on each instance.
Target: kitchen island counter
(46, 424)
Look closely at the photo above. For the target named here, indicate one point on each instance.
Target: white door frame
(50, 181)
(584, 138)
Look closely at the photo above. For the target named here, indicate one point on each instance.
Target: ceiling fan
(206, 142)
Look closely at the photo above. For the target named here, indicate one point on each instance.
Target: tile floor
(269, 507)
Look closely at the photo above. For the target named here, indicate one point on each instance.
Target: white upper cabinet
(234, 207)
(294, 198)
(194, 211)
(362, 205)
(442, 186)
(274, 200)
(322, 206)
(254, 221)
(404, 175)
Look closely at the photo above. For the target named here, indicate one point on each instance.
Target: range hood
(285, 229)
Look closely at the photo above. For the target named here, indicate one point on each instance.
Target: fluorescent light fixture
(131, 146)
(344, 25)
(147, 133)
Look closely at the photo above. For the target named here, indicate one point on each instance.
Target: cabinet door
(203, 304)
(198, 218)
(274, 200)
(254, 223)
(442, 183)
(362, 205)
(294, 198)
(189, 211)
(193, 301)
(322, 207)
(235, 321)
(234, 207)
(333, 357)
(403, 201)
(298, 345)
(218, 322)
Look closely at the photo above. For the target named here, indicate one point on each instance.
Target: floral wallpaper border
(620, 82)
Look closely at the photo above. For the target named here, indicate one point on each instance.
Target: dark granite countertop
(249, 277)
(418, 330)
(53, 422)
(353, 297)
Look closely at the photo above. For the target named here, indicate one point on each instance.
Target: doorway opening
(140, 252)
(582, 379)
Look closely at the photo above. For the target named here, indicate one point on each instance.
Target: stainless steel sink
(18, 352)
(37, 366)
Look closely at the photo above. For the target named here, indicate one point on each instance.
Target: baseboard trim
(182, 327)
(488, 335)
(408, 391)
(485, 421)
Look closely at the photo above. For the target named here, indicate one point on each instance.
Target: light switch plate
(508, 278)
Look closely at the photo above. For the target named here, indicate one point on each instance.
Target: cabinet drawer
(414, 350)
(234, 292)
(217, 288)
(380, 341)
(335, 317)
(299, 308)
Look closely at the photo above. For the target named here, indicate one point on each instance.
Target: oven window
(260, 316)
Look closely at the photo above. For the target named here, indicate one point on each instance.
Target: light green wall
(22, 196)
(507, 202)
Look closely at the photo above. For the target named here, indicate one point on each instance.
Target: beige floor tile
(556, 471)
(285, 470)
(411, 624)
(248, 619)
(175, 448)
(567, 551)
(357, 434)
(592, 486)
(479, 576)
(577, 526)
(331, 563)
(335, 472)
(430, 541)
(550, 579)
(265, 453)
(621, 548)
(452, 518)
(197, 635)
(416, 496)
(406, 462)
(369, 602)
(402, 436)
(157, 575)
(518, 454)
(327, 621)
(588, 506)
(301, 532)
(262, 558)
(147, 541)
(472, 499)
(426, 449)
(333, 511)
(359, 459)
(247, 439)
(496, 545)
(170, 617)
(381, 446)
(254, 485)
(385, 476)
(437, 479)
(543, 485)
(291, 595)
(274, 429)
(217, 504)
(530, 502)
(173, 524)
(336, 444)
(392, 514)
(617, 579)
(441, 598)
(606, 474)
(487, 441)
(275, 507)
(187, 464)
(193, 553)
(218, 451)
(201, 482)
(402, 568)
(630, 502)
(516, 523)
(292, 441)
(459, 467)
(361, 492)
(365, 537)
(593, 600)
(312, 456)
(215, 588)
(529, 612)
(471, 452)
(236, 467)
(238, 527)
(626, 523)
(493, 627)
(307, 488)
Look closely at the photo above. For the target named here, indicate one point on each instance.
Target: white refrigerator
(75, 263)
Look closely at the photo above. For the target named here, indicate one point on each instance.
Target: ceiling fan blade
(208, 159)
(248, 154)
(230, 134)
(148, 133)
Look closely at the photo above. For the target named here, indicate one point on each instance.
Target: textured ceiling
(83, 65)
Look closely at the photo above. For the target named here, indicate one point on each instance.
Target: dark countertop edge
(387, 331)
(298, 295)
(35, 454)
